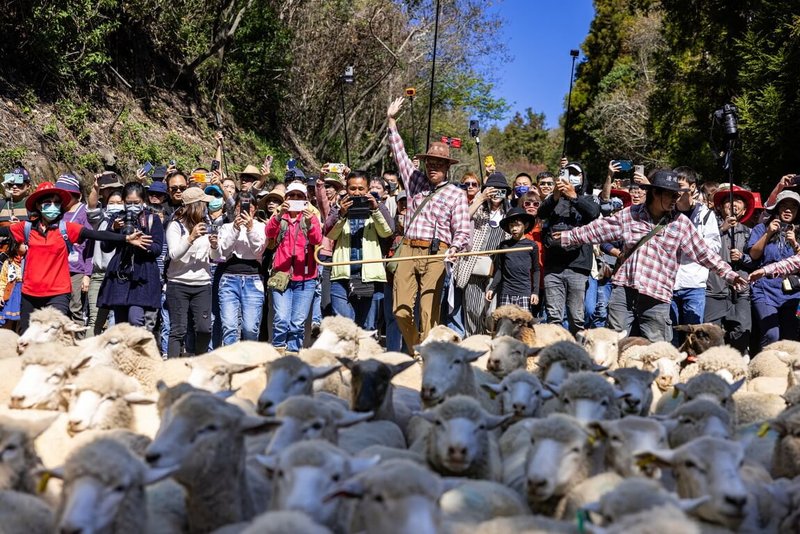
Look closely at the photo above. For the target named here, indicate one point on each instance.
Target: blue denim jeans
(394, 339)
(355, 308)
(688, 307)
(453, 318)
(316, 309)
(241, 298)
(164, 323)
(597, 296)
(292, 308)
(377, 303)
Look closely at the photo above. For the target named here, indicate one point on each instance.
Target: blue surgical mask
(50, 212)
(214, 205)
(521, 190)
(114, 208)
(135, 209)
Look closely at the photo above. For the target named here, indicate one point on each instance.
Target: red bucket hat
(746, 196)
(46, 189)
(624, 196)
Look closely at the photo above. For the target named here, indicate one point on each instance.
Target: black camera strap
(422, 205)
(650, 235)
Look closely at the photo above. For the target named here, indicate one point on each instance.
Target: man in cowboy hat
(653, 237)
(726, 307)
(438, 222)
(249, 176)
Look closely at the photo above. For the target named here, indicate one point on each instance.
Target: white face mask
(575, 181)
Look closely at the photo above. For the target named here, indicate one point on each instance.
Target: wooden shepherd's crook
(409, 258)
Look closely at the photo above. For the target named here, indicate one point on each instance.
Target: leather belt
(423, 243)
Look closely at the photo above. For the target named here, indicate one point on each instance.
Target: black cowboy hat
(518, 213)
(664, 179)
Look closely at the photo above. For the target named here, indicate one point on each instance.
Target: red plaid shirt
(651, 270)
(784, 267)
(446, 214)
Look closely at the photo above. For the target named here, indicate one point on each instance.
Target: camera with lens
(728, 117)
(130, 222)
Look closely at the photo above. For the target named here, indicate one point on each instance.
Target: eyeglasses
(531, 203)
(469, 184)
(547, 184)
(176, 188)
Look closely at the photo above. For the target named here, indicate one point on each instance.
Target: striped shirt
(652, 269)
(446, 215)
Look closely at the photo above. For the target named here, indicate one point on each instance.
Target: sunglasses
(469, 184)
(176, 188)
(547, 184)
(531, 203)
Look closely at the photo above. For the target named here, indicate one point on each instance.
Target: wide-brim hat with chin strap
(723, 195)
(45, 189)
(437, 150)
(785, 195)
(250, 170)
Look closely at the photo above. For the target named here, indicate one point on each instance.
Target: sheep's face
(710, 466)
(446, 371)
(411, 514)
(636, 384)
(701, 418)
(554, 466)
(216, 376)
(288, 377)
(457, 444)
(57, 327)
(16, 457)
(369, 385)
(90, 506)
(506, 326)
(90, 410)
(625, 436)
(506, 355)
(787, 449)
(669, 372)
(700, 337)
(520, 398)
(321, 422)
(585, 408)
(603, 349)
(40, 387)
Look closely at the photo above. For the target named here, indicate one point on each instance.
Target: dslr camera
(728, 117)
(130, 221)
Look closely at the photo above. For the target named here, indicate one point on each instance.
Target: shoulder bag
(392, 265)
(279, 280)
(624, 257)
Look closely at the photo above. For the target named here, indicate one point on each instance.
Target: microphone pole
(574, 54)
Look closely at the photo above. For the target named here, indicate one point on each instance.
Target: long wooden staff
(409, 258)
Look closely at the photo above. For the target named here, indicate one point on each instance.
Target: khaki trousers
(423, 278)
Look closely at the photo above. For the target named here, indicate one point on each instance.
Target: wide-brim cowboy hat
(518, 214)
(664, 179)
(250, 170)
(624, 196)
(45, 189)
(723, 195)
(277, 194)
(786, 195)
(437, 150)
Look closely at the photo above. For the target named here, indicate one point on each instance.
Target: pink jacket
(293, 252)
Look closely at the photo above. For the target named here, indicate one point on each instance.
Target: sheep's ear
(682, 356)
(268, 462)
(492, 389)
(161, 386)
(358, 465)
(349, 418)
(663, 457)
(365, 334)
(74, 328)
(736, 385)
(225, 394)
(690, 505)
(471, 355)
(531, 352)
(34, 429)
(156, 474)
(400, 367)
(677, 389)
(79, 363)
(553, 388)
(236, 368)
(251, 424)
(137, 397)
(349, 363)
(494, 421)
(622, 335)
(351, 489)
(654, 374)
(791, 379)
(323, 371)
(580, 338)
(546, 394)
(597, 429)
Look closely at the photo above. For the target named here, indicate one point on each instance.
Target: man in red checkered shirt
(643, 284)
(443, 219)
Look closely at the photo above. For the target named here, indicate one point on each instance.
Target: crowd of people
(203, 259)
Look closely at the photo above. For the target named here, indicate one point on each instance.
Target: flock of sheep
(530, 430)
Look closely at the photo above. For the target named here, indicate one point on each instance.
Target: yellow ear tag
(645, 461)
(492, 394)
(763, 430)
(591, 439)
(675, 393)
(43, 480)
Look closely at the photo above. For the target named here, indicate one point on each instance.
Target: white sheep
(18, 457)
(460, 442)
(602, 344)
(202, 443)
(290, 376)
(343, 337)
(661, 356)
(621, 437)
(304, 473)
(281, 522)
(22, 513)
(697, 418)
(49, 325)
(558, 360)
(507, 354)
(588, 397)
(637, 384)
(704, 385)
(8, 343)
(447, 371)
(723, 360)
(520, 394)
(786, 454)
(46, 368)
(104, 489)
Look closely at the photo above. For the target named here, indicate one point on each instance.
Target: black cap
(665, 179)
